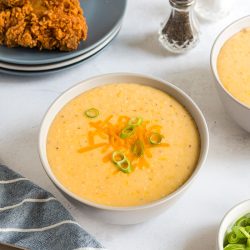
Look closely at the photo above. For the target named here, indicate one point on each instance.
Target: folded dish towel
(31, 218)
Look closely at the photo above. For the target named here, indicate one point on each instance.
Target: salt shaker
(180, 32)
(213, 10)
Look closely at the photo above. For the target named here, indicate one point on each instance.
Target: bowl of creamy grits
(230, 63)
(127, 145)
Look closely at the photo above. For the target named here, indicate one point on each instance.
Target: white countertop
(192, 223)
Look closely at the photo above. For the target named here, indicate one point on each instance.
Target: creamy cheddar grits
(123, 145)
(234, 66)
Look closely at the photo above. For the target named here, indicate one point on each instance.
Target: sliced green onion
(243, 222)
(239, 232)
(127, 132)
(118, 156)
(135, 121)
(233, 238)
(121, 162)
(235, 247)
(248, 228)
(244, 232)
(138, 148)
(155, 138)
(124, 166)
(92, 113)
(238, 238)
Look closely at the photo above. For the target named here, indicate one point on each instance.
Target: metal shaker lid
(181, 3)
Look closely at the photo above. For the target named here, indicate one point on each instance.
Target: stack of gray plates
(104, 18)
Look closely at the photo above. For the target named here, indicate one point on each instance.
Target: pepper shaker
(180, 32)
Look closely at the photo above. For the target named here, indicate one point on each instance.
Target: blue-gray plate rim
(46, 72)
(65, 63)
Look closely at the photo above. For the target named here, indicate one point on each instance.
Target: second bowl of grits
(125, 144)
(230, 62)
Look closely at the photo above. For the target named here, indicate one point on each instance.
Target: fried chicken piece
(13, 3)
(46, 24)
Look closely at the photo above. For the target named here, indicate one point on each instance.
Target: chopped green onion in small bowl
(234, 233)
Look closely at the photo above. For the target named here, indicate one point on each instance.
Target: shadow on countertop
(147, 43)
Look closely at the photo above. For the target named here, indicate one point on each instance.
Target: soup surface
(79, 148)
(234, 66)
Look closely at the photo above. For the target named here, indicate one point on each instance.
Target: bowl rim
(200, 163)
(226, 216)
(211, 60)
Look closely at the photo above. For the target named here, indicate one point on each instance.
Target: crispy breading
(13, 3)
(46, 24)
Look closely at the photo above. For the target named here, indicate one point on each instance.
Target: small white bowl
(237, 110)
(135, 214)
(230, 218)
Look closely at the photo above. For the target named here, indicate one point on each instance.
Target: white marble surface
(192, 223)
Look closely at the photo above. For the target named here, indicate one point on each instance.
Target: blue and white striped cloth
(31, 218)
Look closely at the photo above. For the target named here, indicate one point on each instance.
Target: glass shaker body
(180, 32)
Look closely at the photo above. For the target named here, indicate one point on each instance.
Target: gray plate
(103, 16)
(36, 68)
(46, 72)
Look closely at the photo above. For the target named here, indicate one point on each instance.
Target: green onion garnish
(235, 247)
(121, 162)
(118, 156)
(138, 148)
(135, 121)
(155, 138)
(243, 222)
(124, 166)
(238, 238)
(233, 238)
(127, 131)
(92, 113)
(244, 232)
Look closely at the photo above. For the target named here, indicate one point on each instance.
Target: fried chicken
(46, 24)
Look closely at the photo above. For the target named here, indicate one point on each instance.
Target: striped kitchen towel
(31, 218)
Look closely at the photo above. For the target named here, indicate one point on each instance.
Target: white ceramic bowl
(136, 214)
(230, 218)
(237, 110)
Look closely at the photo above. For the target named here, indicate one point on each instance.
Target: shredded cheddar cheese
(110, 133)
